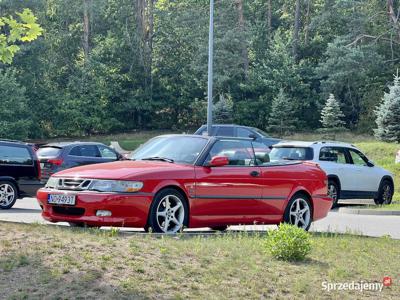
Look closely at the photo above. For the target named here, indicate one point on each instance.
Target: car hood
(121, 169)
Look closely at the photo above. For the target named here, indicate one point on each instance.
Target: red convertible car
(178, 181)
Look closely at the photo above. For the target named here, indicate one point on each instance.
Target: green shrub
(288, 243)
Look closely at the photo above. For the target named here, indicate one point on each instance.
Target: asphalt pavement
(27, 210)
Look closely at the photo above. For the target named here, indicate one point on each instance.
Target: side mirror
(219, 161)
(370, 164)
(252, 136)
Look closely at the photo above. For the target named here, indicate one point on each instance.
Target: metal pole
(210, 69)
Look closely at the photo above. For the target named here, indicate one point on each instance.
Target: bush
(288, 243)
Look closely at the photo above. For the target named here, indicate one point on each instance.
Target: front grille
(70, 211)
(73, 184)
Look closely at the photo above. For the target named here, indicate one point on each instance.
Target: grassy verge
(50, 262)
(393, 206)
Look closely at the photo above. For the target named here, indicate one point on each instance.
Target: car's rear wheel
(219, 228)
(8, 194)
(169, 212)
(299, 212)
(385, 193)
(333, 192)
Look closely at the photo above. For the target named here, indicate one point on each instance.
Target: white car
(351, 175)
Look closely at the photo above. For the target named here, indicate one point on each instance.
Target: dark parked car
(233, 130)
(19, 172)
(55, 157)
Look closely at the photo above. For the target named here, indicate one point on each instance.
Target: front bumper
(128, 210)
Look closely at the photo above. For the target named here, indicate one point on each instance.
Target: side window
(333, 154)
(10, 155)
(225, 131)
(85, 150)
(357, 158)
(107, 152)
(243, 132)
(240, 153)
(76, 151)
(261, 152)
(203, 130)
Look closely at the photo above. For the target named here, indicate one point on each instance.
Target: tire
(385, 193)
(333, 192)
(169, 212)
(219, 228)
(300, 216)
(8, 194)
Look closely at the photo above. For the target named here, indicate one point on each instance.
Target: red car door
(232, 192)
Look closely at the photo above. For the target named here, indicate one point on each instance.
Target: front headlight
(52, 183)
(118, 186)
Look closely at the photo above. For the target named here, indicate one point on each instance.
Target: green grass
(129, 141)
(49, 262)
(393, 206)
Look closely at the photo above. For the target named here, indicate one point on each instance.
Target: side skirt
(357, 195)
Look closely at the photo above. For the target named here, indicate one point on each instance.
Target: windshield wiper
(170, 160)
(288, 158)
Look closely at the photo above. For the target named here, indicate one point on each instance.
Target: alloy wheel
(332, 192)
(170, 214)
(386, 194)
(7, 194)
(300, 213)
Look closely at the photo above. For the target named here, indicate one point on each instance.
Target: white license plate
(61, 199)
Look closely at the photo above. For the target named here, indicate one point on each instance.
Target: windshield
(291, 153)
(262, 132)
(179, 149)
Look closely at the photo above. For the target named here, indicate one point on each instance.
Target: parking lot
(27, 210)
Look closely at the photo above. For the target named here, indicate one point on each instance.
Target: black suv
(232, 130)
(19, 172)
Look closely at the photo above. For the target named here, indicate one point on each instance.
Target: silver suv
(350, 173)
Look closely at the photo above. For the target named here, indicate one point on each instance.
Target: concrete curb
(366, 211)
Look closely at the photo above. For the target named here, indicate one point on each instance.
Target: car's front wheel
(169, 212)
(8, 194)
(299, 212)
(385, 193)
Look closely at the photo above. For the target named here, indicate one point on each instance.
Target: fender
(299, 189)
(332, 176)
(387, 177)
(167, 183)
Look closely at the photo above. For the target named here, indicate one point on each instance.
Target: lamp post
(210, 69)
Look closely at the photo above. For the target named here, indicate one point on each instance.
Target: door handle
(254, 174)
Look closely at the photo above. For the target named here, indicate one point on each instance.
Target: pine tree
(388, 114)
(331, 115)
(282, 118)
(223, 109)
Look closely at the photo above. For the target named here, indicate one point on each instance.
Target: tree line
(104, 66)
